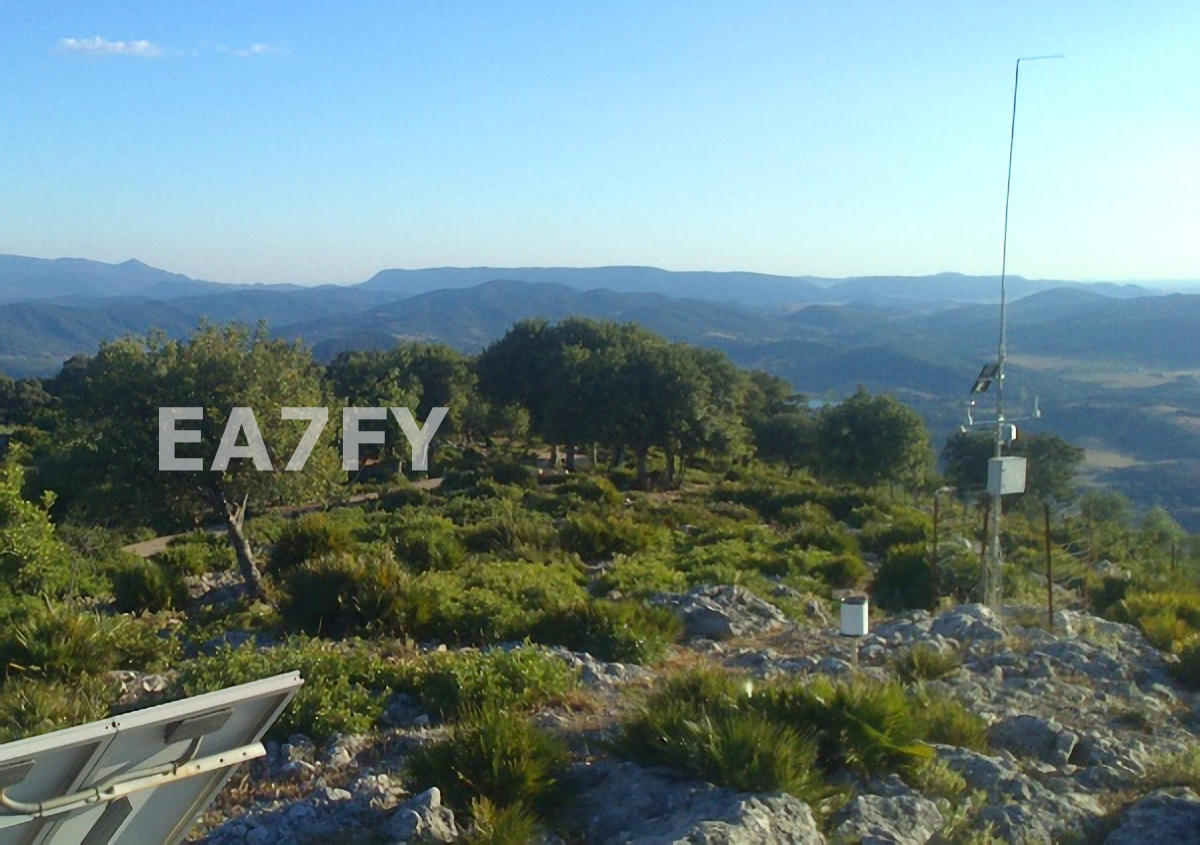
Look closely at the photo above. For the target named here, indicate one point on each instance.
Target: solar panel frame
(80, 758)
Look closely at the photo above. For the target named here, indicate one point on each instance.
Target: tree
(869, 440)
(32, 557)
(1050, 473)
(115, 409)
(788, 438)
(418, 376)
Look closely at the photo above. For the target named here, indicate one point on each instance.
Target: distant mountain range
(1115, 366)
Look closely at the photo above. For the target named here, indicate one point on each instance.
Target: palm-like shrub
(493, 754)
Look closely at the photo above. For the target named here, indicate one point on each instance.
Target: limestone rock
(1165, 817)
(722, 612)
(887, 819)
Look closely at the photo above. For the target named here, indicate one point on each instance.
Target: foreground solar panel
(142, 777)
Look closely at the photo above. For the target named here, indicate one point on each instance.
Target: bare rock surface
(1164, 817)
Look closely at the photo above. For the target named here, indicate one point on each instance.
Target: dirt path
(158, 545)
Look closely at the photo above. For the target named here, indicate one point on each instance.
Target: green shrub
(333, 595)
(1172, 770)
(404, 496)
(625, 632)
(29, 707)
(197, 553)
(1168, 618)
(424, 541)
(449, 683)
(1107, 595)
(907, 529)
(596, 536)
(513, 533)
(923, 663)
(345, 686)
(903, 579)
(742, 750)
(947, 722)
(842, 571)
(869, 727)
(514, 473)
(495, 825)
(139, 584)
(1187, 670)
(641, 575)
(481, 603)
(310, 536)
(496, 755)
(593, 488)
(58, 640)
(33, 560)
(702, 724)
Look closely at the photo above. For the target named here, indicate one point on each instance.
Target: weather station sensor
(1006, 476)
(141, 777)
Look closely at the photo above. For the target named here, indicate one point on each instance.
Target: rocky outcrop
(624, 803)
(1165, 817)
(878, 819)
(722, 612)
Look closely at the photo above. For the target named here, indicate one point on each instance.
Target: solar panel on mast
(142, 777)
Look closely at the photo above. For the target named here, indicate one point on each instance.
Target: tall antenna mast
(993, 575)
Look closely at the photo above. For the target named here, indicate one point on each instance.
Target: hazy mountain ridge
(1112, 372)
(23, 278)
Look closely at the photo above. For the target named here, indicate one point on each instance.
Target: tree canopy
(869, 440)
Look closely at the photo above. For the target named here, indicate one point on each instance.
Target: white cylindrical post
(854, 616)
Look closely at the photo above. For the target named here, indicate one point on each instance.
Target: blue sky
(314, 142)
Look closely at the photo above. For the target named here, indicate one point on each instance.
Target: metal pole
(1049, 573)
(934, 573)
(933, 558)
(993, 578)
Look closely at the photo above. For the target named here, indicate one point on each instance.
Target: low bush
(333, 595)
(426, 540)
(497, 755)
(345, 685)
(702, 723)
(480, 603)
(869, 727)
(449, 683)
(310, 536)
(29, 707)
(1171, 770)
(514, 534)
(1187, 670)
(595, 535)
(903, 579)
(641, 575)
(1168, 618)
(139, 585)
(595, 489)
(924, 663)
(495, 825)
(911, 527)
(624, 632)
(59, 640)
(947, 722)
(197, 553)
(404, 496)
(841, 571)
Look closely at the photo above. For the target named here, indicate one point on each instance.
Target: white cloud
(253, 50)
(103, 47)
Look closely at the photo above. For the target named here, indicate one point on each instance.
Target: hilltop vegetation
(1113, 364)
(496, 587)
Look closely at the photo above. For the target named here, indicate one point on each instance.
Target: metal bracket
(137, 781)
(13, 773)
